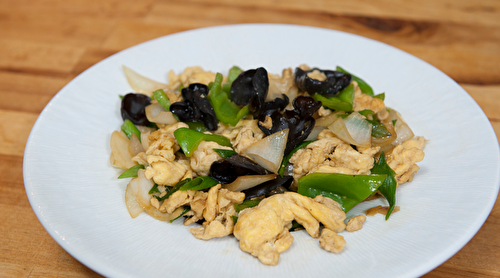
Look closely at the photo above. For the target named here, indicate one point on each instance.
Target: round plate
(75, 194)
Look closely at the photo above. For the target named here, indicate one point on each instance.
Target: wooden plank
(487, 97)
(485, 12)
(26, 249)
(453, 48)
(131, 32)
(15, 128)
(27, 56)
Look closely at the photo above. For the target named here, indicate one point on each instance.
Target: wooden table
(44, 44)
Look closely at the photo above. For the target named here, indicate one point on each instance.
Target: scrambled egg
(404, 157)
(244, 134)
(263, 231)
(329, 154)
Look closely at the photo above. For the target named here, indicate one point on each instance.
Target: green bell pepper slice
(189, 139)
(365, 88)
(388, 187)
(347, 190)
(131, 172)
(226, 111)
(342, 102)
(199, 183)
(129, 128)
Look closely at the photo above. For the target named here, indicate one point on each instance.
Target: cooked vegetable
(365, 88)
(347, 190)
(250, 87)
(140, 83)
(289, 155)
(388, 187)
(133, 108)
(196, 107)
(246, 204)
(335, 82)
(189, 139)
(156, 113)
(299, 121)
(229, 169)
(354, 129)
(267, 187)
(199, 183)
(225, 153)
(129, 128)
(269, 151)
(131, 172)
(162, 99)
(342, 102)
(248, 182)
(234, 72)
(226, 111)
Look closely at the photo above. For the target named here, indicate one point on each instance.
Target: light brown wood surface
(46, 43)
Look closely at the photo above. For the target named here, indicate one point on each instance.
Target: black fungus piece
(335, 82)
(299, 121)
(250, 87)
(195, 107)
(229, 169)
(278, 104)
(269, 187)
(133, 108)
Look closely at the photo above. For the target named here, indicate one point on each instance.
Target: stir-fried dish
(260, 155)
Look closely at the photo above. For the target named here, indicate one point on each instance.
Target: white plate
(75, 194)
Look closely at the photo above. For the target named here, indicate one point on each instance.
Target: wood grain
(46, 43)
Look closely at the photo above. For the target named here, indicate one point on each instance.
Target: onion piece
(354, 130)
(120, 152)
(268, 152)
(164, 216)
(156, 113)
(402, 129)
(140, 83)
(133, 207)
(135, 146)
(142, 189)
(328, 119)
(245, 182)
(145, 140)
(314, 133)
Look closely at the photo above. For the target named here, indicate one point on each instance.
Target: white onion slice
(135, 146)
(145, 140)
(133, 207)
(245, 182)
(403, 131)
(328, 119)
(156, 113)
(120, 152)
(268, 152)
(354, 130)
(314, 133)
(163, 216)
(140, 83)
(142, 189)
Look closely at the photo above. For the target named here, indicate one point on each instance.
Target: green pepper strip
(232, 75)
(388, 187)
(129, 128)
(154, 189)
(226, 111)
(174, 189)
(199, 183)
(186, 210)
(225, 153)
(285, 160)
(246, 204)
(198, 126)
(342, 102)
(365, 88)
(162, 99)
(380, 96)
(378, 129)
(189, 139)
(131, 172)
(347, 190)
